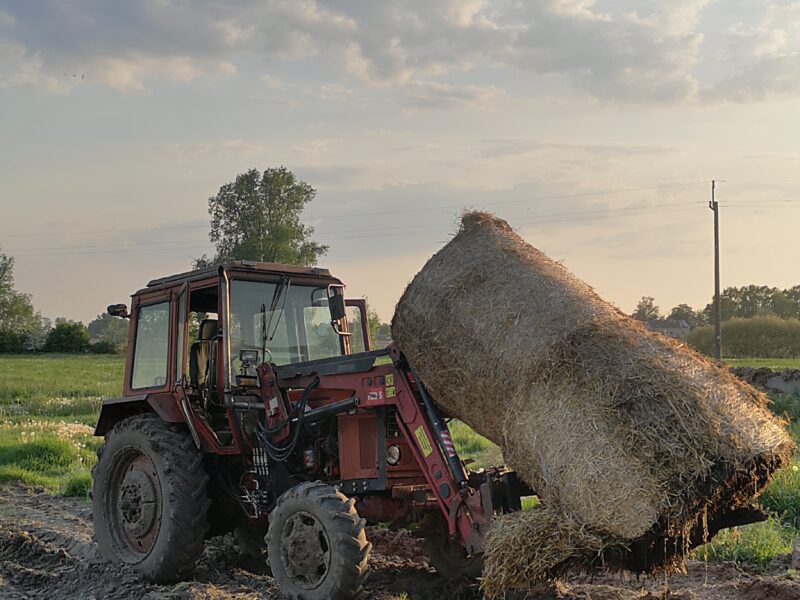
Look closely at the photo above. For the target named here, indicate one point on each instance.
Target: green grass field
(58, 385)
(49, 404)
(48, 407)
(772, 363)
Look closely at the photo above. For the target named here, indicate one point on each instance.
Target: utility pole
(717, 312)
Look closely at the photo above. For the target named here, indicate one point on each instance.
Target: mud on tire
(150, 499)
(316, 544)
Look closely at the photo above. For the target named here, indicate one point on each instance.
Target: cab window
(150, 357)
(321, 339)
(291, 320)
(356, 328)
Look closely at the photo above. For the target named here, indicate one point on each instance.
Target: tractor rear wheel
(150, 499)
(317, 546)
(448, 558)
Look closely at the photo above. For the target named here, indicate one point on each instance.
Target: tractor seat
(202, 355)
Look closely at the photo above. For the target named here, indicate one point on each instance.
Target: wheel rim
(133, 505)
(305, 550)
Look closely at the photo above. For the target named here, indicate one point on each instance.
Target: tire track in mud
(46, 551)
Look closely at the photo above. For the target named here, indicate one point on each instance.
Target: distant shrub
(67, 336)
(104, 347)
(758, 337)
(471, 445)
(786, 406)
(44, 455)
(13, 342)
(78, 485)
(782, 496)
(757, 544)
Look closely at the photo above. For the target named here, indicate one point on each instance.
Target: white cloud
(443, 95)
(336, 92)
(273, 82)
(22, 68)
(645, 52)
(6, 20)
(763, 56)
(128, 73)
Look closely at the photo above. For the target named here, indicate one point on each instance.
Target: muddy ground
(46, 551)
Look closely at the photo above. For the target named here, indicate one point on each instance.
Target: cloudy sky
(594, 128)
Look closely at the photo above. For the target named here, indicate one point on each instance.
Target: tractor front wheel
(150, 499)
(317, 546)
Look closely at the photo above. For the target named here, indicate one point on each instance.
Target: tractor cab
(202, 334)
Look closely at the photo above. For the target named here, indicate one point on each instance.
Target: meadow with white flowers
(48, 407)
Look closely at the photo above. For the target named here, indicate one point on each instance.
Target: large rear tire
(150, 498)
(317, 546)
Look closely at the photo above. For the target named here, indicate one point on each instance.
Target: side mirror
(118, 310)
(336, 302)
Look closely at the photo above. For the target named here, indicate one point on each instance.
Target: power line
(760, 206)
(373, 213)
(79, 251)
(545, 218)
(757, 201)
(107, 231)
(596, 214)
(161, 245)
(40, 252)
(761, 183)
(518, 201)
(517, 222)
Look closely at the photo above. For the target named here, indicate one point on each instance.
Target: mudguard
(114, 410)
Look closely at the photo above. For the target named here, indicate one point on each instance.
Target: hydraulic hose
(442, 433)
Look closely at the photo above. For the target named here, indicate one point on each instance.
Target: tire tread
(351, 557)
(184, 484)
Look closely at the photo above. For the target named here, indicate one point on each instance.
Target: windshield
(295, 317)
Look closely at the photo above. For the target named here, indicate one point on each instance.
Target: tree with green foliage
(751, 300)
(686, 313)
(67, 336)
(108, 330)
(728, 309)
(20, 323)
(257, 217)
(104, 347)
(793, 295)
(646, 309)
(782, 305)
(373, 322)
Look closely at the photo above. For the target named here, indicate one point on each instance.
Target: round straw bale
(626, 433)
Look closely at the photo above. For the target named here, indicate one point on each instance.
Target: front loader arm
(432, 446)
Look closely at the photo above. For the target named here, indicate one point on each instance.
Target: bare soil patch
(46, 551)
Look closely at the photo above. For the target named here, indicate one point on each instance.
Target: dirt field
(46, 551)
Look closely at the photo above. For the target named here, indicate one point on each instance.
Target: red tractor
(252, 403)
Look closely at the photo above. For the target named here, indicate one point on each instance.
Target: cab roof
(241, 267)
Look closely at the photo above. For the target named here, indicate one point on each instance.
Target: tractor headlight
(393, 455)
(309, 458)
